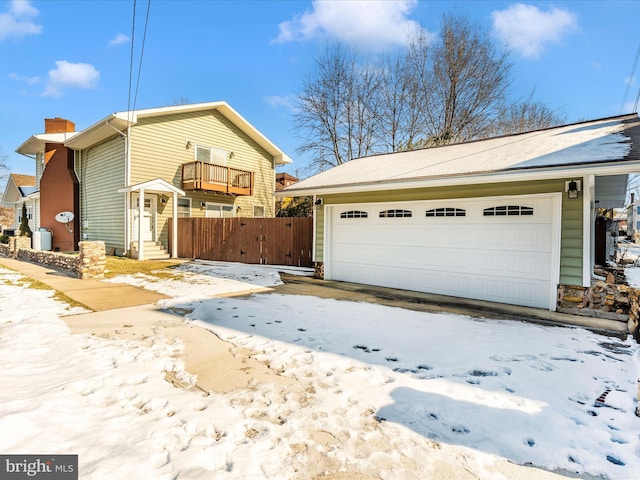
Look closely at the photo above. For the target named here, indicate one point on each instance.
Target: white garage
(499, 249)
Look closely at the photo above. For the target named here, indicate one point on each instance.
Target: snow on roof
(576, 144)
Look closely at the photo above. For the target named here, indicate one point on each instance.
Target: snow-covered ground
(386, 392)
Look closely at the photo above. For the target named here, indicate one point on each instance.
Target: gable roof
(18, 186)
(120, 121)
(605, 146)
(21, 180)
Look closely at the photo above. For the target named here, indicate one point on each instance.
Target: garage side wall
(571, 222)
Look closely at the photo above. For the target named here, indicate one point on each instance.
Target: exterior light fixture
(572, 187)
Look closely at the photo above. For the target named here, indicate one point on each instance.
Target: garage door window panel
(354, 214)
(396, 213)
(508, 210)
(446, 212)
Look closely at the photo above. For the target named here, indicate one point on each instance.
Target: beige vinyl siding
(101, 171)
(159, 148)
(571, 226)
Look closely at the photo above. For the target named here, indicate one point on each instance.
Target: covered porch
(141, 204)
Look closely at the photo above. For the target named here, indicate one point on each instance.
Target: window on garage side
(396, 213)
(510, 210)
(354, 214)
(446, 212)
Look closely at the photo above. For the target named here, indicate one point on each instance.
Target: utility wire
(144, 37)
(133, 36)
(626, 92)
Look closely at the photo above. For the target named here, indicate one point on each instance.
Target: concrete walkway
(94, 294)
(129, 312)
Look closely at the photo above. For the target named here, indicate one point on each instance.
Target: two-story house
(128, 175)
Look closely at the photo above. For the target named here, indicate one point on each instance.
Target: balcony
(207, 177)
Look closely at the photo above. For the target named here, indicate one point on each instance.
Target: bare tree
(334, 109)
(470, 81)
(4, 169)
(402, 90)
(432, 92)
(525, 116)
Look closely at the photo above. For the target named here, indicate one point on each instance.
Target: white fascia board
(99, 131)
(498, 177)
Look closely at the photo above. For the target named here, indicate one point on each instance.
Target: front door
(148, 220)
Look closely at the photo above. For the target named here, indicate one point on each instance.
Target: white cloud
(119, 39)
(23, 78)
(17, 22)
(528, 30)
(286, 101)
(70, 75)
(369, 24)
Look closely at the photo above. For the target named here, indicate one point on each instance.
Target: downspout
(127, 197)
(127, 176)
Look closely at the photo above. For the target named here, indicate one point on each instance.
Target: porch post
(588, 228)
(140, 223)
(174, 230)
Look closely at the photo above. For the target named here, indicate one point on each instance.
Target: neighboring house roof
(604, 146)
(35, 143)
(284, 179)
(120, 121)
(18, 187)
(21, 180)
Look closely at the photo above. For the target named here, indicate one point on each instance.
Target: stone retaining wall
(88, 263)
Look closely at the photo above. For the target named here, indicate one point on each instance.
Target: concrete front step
(152, 251)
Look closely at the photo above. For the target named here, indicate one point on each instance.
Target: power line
(133, 36)
(144, 38)
(626, 92)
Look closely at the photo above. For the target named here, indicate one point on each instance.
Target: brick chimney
(633, 197)
(58, 125)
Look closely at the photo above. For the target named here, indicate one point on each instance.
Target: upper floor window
(503, 210)
(354, 214)
(446, 212)
(206, 154)
(396, 213)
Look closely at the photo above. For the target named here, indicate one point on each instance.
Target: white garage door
(496, 249)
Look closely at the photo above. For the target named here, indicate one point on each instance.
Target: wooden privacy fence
(271, 241)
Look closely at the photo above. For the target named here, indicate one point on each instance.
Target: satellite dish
(64, 217)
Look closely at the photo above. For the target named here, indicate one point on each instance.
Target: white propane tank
(46, 237)
(36, 240)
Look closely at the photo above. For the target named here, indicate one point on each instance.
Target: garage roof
(569, 148)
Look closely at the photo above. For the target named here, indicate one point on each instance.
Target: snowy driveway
(516, 390)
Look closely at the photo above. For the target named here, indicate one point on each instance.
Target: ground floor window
(184, 207)
(219, 210)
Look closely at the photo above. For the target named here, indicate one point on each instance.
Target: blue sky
(71, 59)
